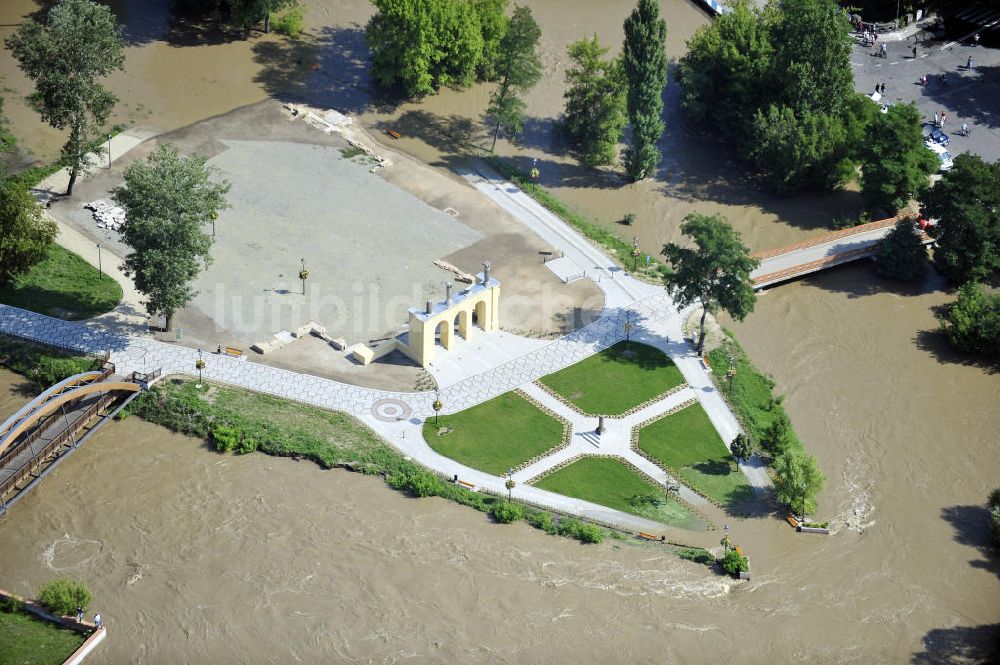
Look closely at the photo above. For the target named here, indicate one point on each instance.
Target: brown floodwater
(195, 557)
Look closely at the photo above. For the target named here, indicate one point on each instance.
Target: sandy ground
(369, 242)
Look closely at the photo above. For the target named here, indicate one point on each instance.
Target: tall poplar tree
(645, 60)
(595, 103)
(78, 43)
(518, 70)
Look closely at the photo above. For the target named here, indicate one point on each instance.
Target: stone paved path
(398, 417)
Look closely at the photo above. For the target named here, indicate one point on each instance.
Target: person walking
(975, 39)
(914, 52)
(79, 614)
(884, 52)
(944, 117)
(968, 64)
(936, 119)
(97, 620)
(965, 129)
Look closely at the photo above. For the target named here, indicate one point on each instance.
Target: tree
(741, 447)
(167, 199)
(7, 139)
(972, 323)
(716, 273)
(25, 234)
(248, 13)
(798, 480)
(78, 44)
(901, 253)
(966, 203)
(895, 162)
(422, 45)
(778, 436)
(733, 562)
(595, 103)
(644, 59)
(493, 23)
(518, 70)
(62, 596)
(994, 506)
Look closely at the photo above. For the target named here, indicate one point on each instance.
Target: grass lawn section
(686, 443)
(28, 641)
(616, 379)
(610, 483)
(495, 435)
(752, 396)
(63, 286)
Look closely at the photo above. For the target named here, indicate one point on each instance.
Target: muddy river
(195, 557)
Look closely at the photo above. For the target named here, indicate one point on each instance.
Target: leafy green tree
(741, 447)
(972, 323)
(896, 162)
(901, 253)
(7, 140)
(726, 71)
(595, 103)
(966, 203)
(716, 273)
(518, 70)
(78, 43)
(62, 596)
(644, 59)
(248, 13)
(167, 200)
(796, 150)
(778, 437)
(493, 23)
(798, 480)
(25, 234)
(422, 45)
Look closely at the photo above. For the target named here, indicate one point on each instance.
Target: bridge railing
(58, 441)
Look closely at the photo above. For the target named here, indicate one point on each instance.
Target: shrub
(742, 447)
(733, 562)
(11, 605)
(994, 499)
(697, 555)
(628, 219)
(995, 524)
(506, 512)
(574, 528)
(417, 482)
(972, 323)
(63, 595)
(541, 519)
(224, 437)
(290, 23)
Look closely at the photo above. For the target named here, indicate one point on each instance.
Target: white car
(943, 155)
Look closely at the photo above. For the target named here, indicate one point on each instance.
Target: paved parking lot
(969, 96)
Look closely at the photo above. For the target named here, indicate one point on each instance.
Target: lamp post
(635, 253)
(303, 275)
(731, 372)
(109, 152)
(803, 488)
(510, 485)
(726, 543)
(628, 331)
(100, 266)
(215, 216)
(199, 365)
(437, 406)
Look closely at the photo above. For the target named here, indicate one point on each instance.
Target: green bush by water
(42, 365)
(63, 595)
(506, 512)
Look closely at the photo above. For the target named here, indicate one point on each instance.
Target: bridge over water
(822, 252)
(43, 432)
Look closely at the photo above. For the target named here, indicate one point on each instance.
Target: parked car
(939, 137)
(943, 155)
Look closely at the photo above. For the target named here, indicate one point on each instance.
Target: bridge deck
(821, 252)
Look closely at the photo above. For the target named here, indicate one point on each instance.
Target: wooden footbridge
(822, 252)
(55, 423)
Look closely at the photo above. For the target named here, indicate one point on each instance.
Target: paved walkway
(398, 417)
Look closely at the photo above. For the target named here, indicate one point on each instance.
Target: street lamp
(726, 543)
(215, 216)
(510, 485)
(635, 253)
(303, 275)
(731, 372)
(803, 488)
(199, 365)
(628, 330)
(437, 406)
(100, 266)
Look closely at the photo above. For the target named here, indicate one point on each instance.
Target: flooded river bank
(194, 557)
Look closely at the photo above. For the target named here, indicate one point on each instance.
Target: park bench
(234, 352)
(467, 484)
(648, 536)
(393, 133)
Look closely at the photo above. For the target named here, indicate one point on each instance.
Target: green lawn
(616, 379)
(686, 444)
(495, 435)
(28, 641)
(64, 286)
(610, 483)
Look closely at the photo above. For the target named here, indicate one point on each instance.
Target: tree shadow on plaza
(328, 69)
(971, 96)
(960, 646)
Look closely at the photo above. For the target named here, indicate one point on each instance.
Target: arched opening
(465, 323)
(479, 314)
(443, 331)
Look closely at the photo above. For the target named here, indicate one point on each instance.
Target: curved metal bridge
(41, 433)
